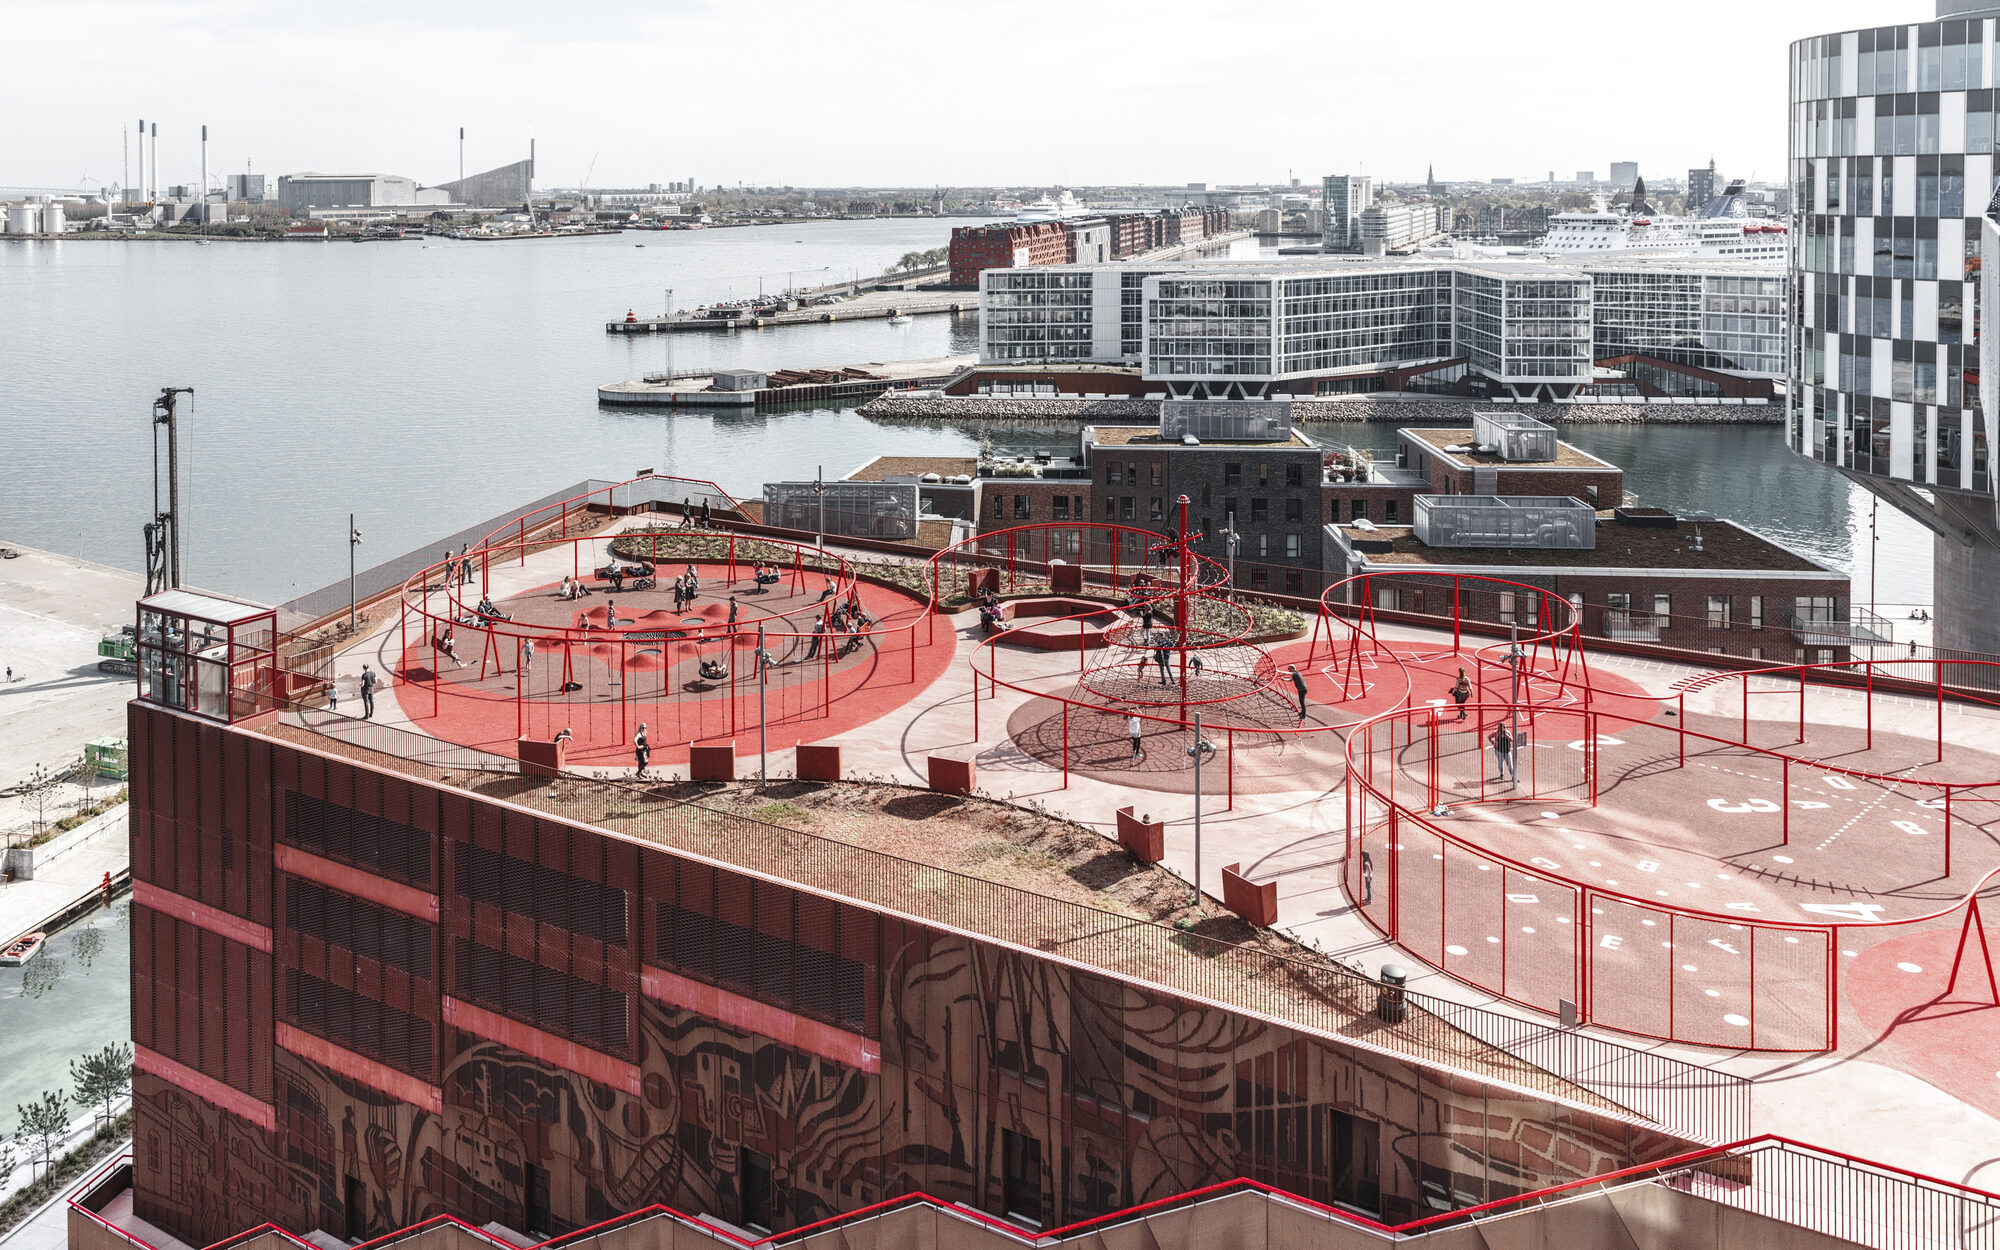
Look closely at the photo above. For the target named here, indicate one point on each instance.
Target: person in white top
(1134, 728)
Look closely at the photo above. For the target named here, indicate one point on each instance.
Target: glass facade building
(1531, 329)
(1891, 165)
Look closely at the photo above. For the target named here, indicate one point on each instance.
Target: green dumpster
(106, 757)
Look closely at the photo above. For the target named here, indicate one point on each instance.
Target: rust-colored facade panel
(846, 1055)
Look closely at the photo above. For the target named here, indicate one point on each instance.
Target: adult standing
(367, 693)
(1503, 753)
(1162, 658)
(704, 511)
(1135, 729)
(1299, 684)
(732, 609)
(642, 750)
(1461, 691)
(819, 630)
(527, 659)
(465, 564)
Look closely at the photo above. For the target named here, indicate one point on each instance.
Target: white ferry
(1723, 228)
(1052, 209)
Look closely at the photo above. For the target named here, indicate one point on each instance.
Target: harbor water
(425, 385)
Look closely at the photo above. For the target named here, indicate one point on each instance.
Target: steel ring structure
(628, 650)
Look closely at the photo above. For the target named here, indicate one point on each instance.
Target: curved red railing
(1578, 977)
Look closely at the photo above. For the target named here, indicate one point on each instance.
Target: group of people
(691, 517)
(572, 589)
(458, 569)
(849, 623)
(686, 587)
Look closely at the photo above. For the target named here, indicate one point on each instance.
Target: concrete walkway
(1296, 837)
(67, 868)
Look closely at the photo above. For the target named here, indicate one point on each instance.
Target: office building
(1588, 177)
(1525, 329)
(1624, 174)
(1345, 197)
(1891, 147)
(248, 188)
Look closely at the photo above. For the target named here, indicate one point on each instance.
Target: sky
(906, 92)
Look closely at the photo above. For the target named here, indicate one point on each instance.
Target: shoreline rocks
(1316, 411)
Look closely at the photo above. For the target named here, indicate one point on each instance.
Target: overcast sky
(906, 92)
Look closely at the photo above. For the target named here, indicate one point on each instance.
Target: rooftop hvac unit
(1551, 523)
(1227, 420)
(1514, 438)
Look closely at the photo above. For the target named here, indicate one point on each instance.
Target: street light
(353, 541)
(1200, 744)
(1231, 538)
(763, 659)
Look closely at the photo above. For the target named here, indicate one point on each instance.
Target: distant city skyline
(899, 93)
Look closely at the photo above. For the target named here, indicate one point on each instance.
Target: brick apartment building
(1005, 245)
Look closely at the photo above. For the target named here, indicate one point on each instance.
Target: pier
(745, 389)
(872, 306)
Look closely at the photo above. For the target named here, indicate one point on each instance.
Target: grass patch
(789, 814)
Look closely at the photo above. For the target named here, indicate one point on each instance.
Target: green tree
(44, 1125)
(101, 1077)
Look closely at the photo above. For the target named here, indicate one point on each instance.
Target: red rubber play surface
(648, 669)
(1258, 747)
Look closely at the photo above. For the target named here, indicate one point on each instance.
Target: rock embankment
(1009, 408)
(1318, 411)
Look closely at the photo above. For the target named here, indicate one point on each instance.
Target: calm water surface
(426, 386)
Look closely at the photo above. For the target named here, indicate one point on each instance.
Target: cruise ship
(1723, 228)
(1052, 209)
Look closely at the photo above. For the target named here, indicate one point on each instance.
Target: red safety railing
(1824, 1191)
(1526, 932)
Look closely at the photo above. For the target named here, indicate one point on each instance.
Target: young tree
(44, 1124)
(101, 1077)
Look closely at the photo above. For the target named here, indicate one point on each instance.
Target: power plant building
(326, 195)
(509, 186)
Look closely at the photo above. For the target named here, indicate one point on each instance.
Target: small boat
(23, 950)
(901, 319)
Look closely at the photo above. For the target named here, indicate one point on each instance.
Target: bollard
(1389, 1002)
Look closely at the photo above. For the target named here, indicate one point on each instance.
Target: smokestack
(154, 182)
(461, 157)
(202, 199)
(142, 160)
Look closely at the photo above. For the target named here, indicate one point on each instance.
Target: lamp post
(819, 489)
(353, 541)
(1230, 539)
(763, 659)
(1200, 744)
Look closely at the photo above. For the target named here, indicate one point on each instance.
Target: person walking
(819, 630)
(1461, 692)
(1299, 684)
(1503, 753)
(642, 750)
(450, 569)
(732, 609)
(1367, 879)
(367, 693)
(1134, 728)
(704, 512)
(1162, 658)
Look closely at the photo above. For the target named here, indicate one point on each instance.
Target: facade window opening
(1021, 1177)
